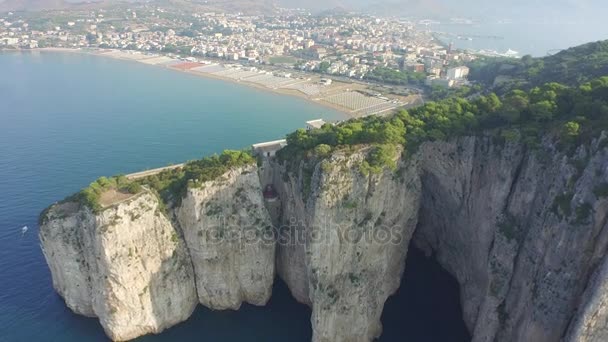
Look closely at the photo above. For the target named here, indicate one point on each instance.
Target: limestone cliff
(126, 265)
(522, 230)
(132, 267)
(230, 239)
(591, 321)
(343, 241)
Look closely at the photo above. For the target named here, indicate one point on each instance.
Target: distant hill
(445, 9)
(571, 67)
(390, 7)
(231, 6)
(32, 5)
(420, 8)
(580, 10)
(578, 64)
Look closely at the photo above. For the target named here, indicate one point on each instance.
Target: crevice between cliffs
(427, 305)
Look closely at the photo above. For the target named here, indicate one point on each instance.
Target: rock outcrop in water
(344, 239)
(229, 237)
(523, 231)
(126, 265)
(140, 272)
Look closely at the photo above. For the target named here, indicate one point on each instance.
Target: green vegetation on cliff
(90, 196)
(572, 67)
(574, 114)
(170, 184)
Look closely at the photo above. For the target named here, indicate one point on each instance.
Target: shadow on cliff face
(427, 305)
(282, 319)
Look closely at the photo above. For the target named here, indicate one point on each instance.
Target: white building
(268, 149)
(314, 124)
(325, 81)
(439, 81)
(458, 73)
(11, 41)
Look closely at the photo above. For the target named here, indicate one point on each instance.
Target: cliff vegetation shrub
(583, 213)
(381, 157)
(561, 205)
(169, 184)
(601, 190)
(322, 150)
(349, 204)
(90, 196)
(172, 184)
(509, 228)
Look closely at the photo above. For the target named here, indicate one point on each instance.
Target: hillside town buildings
(349, 46)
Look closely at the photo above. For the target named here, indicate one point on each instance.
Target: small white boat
(24, 230)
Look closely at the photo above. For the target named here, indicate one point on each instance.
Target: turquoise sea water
(66, 119)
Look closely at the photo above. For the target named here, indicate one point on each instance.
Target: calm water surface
(534, 38)
(66, 119)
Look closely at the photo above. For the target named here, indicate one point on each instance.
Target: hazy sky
(572, 10)
(578, 10)
(536, 26)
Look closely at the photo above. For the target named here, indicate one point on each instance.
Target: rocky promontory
(126, 265)
(522, 230)
(141, 267)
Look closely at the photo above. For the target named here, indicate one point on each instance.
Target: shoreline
(278, 91)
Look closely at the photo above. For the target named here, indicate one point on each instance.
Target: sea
(537, 38)
(67, 119)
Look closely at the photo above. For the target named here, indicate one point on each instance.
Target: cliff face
(127, 265)
(62, 243)
(131, 267)
(523, 232)
(591, 322)
(343, 242)
(230, 239)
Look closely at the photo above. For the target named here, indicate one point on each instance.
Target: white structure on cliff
(268, 149)
(314, 124)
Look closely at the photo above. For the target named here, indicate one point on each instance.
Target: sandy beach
(280, 91)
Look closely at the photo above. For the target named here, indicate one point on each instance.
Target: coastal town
(358, 64)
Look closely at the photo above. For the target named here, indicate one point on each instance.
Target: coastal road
(142, 174)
